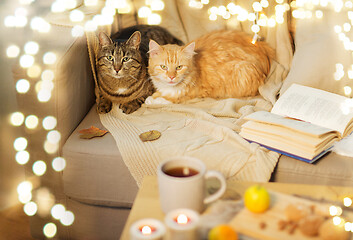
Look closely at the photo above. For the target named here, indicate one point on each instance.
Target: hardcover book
(304, 123)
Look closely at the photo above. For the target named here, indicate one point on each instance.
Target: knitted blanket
(203, 128)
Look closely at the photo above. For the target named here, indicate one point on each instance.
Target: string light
(30, 208)
(67, 219)
(22, 86)
(59, 164)
(12, 51)
(34, 71)
(49, 230)
(31, 121)
(49, 58)
(22, 157)
(39, 168)
(49, 123)
(17, 118)
(58, 211)
(26, 61)
(20, 144)
(31, 48)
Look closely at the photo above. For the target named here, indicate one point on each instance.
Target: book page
(296, 125)
(315, 106)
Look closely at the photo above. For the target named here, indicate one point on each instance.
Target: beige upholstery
(95, 172)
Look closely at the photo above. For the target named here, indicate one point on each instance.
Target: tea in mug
(181, 172)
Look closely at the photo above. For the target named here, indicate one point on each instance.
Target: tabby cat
(121, 65)
(220, 64)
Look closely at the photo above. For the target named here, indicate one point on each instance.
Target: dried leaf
(150, 136)
(92, 132)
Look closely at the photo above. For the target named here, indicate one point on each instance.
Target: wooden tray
(248, 223)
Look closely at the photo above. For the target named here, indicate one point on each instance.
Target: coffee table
(146, 204)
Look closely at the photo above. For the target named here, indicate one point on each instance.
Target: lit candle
(147, 229)
(182, 224)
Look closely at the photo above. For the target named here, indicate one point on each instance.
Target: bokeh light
(24, 187)
(58, 164)
(22, 157)
(44, 95)
(90, 2)
(12, 51)
(17, 118)
(58, 211)
(67, 219)
(347, 202)
(31, 121)
(34, 71)
(49, 58)
(53, 136)
(154, 19)
(49, 123)
(51, 148)
(22, 86)
(48, 75)
(39, 168)
(25, 198)
(49, 230)
(31, 48)
(30, 208)
(26, 61)
(144, 12)
(20, 144)
(77, 15)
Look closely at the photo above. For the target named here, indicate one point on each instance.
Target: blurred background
(11, 173)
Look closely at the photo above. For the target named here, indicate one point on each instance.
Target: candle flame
(182, 219)
(146, 230)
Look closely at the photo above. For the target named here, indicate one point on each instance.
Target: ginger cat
(220, 64)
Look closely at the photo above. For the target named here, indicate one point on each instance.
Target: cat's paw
(158, 100)
(103, 108)
(129, 107)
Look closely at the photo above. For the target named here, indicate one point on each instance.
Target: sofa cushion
(332, 169)
(320, 55)
(95, 172)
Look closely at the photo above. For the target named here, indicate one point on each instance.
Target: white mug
(181, 182)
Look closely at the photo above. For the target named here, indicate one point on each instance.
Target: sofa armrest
(75, 88)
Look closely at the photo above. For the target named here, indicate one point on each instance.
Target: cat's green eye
(110, 58)
(164, 67)
(179, 67)
(125, 59)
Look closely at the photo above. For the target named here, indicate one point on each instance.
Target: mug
(182, 184)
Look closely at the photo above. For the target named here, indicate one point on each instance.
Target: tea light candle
(147, 229)
(182, 224)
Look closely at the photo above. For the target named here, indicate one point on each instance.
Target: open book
(304, 123)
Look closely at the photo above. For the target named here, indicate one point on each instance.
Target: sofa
(97, 185)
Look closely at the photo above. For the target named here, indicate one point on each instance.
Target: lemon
(222, 232)
(257, 199)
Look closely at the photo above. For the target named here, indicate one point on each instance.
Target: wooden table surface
(146, 204)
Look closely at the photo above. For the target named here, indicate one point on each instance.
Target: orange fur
(224, 64)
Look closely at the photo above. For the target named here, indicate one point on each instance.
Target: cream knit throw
(202, 128)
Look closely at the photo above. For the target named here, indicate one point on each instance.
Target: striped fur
(121, 65)
(221, 64)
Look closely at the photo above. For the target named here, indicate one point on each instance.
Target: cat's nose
(117, 68)
(171, 77)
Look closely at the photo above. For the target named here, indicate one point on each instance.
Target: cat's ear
(189, 50)
(134, 40)
(104, 40)
(154, 48)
